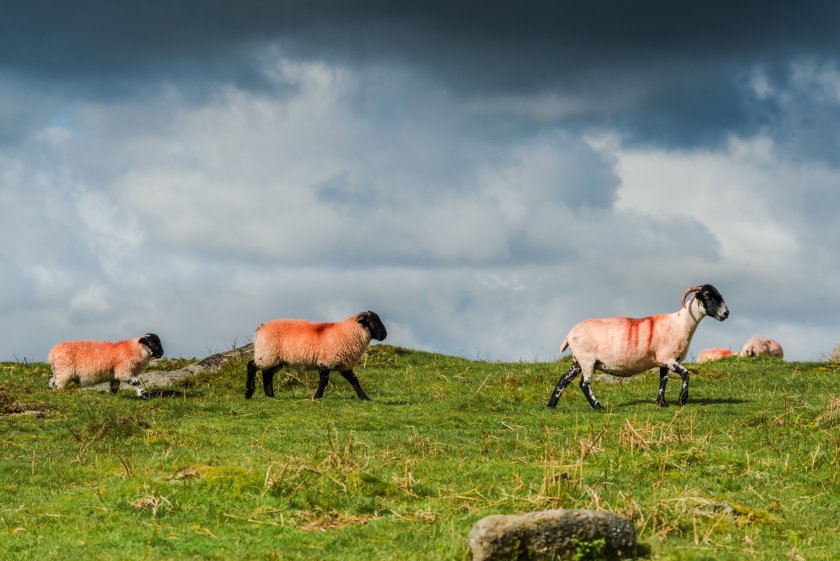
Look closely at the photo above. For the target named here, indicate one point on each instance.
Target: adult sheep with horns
(624, 346)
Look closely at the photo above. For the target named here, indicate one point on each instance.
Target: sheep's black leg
(268, 380)
(684, 390)
(324, 375)
(137, 385)
(565, 380)
(663, 380)
(354, 381)
(590, 397)
(250, 379)
(115, 387)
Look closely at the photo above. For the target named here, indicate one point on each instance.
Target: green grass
(747, 470)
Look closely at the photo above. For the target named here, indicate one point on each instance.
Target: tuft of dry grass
(319, 522)
(154, 503)
(831, 414)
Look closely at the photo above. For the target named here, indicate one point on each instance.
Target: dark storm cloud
(481, 174)
(659, 71)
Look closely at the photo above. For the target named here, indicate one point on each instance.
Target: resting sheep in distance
(713, 354)
(91, 362)
(762, 346)
(325, 346)
(627, 346)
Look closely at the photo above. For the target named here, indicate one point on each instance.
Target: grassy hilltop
(747, 470)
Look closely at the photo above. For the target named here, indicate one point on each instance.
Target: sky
(483, 175)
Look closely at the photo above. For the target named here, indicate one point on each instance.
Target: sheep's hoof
(598, 407)
(661, 403)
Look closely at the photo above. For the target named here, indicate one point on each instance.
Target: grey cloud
(209, 169)
(201, 226)
(525, 40)
(808, 114)
(345, 192)
(663, 72)
(23, 108)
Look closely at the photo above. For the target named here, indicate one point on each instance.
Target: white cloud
(91, 300)
(349, 191)
(776, 262)
(54, 135)
(733, 193)
(760, 84)
(49, 281)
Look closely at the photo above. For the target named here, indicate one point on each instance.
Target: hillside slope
(748, 469)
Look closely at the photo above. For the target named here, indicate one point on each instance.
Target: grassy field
(747, 470)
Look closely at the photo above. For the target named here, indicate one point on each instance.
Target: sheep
(761, 346)
(324, 346)
(627, 346)
(91, 362)
(713, 354)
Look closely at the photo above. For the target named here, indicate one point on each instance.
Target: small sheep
(325, 346)
(91, 362)
(713, 354)
(762, 346)
(627, 346)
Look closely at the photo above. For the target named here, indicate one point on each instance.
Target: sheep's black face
(370, 320)
(713, 302)
(153, 342)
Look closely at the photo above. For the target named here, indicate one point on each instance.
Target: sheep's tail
(250, 379)
(565, 344)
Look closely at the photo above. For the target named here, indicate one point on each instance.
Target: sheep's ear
(362, 317)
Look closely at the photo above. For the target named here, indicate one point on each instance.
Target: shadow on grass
(692, 401)
(155, 394)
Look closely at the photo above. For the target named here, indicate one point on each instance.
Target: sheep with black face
(626, 346)
(323, 346)
(92, 362)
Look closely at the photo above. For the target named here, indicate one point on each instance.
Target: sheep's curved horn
(688, 291)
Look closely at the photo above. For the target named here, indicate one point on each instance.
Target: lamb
(91, 362)
(627, 346)
(713, 354)
(762, 346)
(325, 346)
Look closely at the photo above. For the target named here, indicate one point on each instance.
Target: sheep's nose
(724, 313)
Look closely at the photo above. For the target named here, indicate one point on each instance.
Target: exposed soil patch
(9, 405)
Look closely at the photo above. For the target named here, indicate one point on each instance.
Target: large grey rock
(163, 379)
(550, 534)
